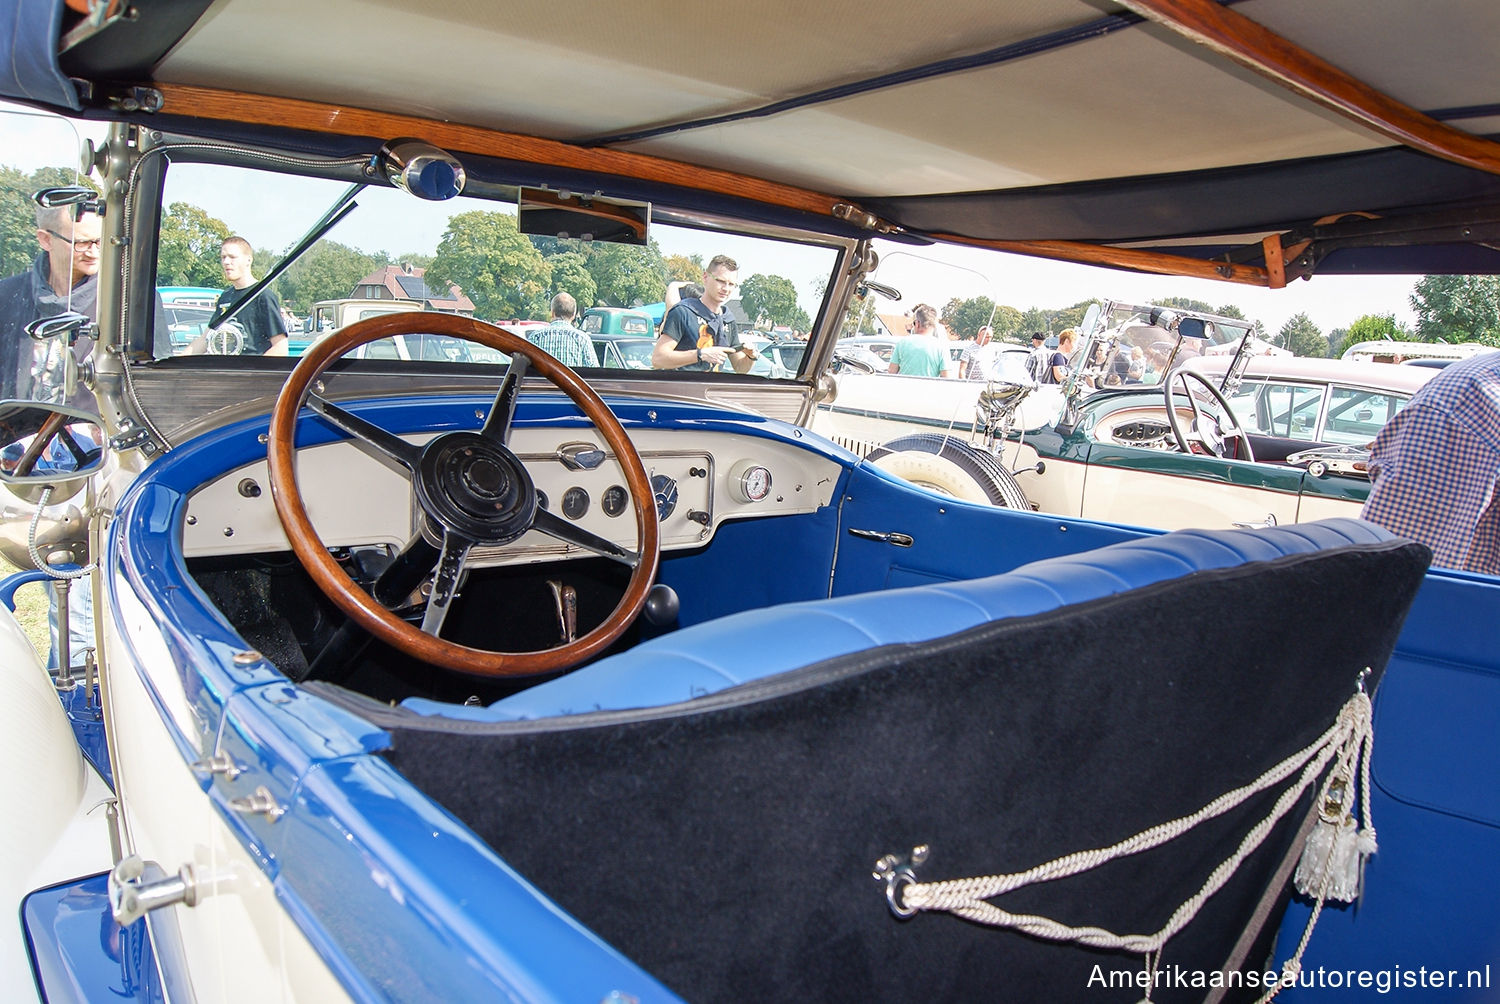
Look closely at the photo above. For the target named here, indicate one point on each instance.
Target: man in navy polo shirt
(698, 333)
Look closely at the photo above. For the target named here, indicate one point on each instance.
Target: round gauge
(575, 503)
(749, 481)
(665, 490)
(614, 500)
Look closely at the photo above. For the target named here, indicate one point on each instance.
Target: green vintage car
(1248, 440)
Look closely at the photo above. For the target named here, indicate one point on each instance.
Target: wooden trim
(1134, 259)
(292, 113)
(1275, 263)
(1252, 45)
(200, 102)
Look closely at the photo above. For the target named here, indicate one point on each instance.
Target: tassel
(1333, 860)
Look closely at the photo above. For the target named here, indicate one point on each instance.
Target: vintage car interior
(406, 663)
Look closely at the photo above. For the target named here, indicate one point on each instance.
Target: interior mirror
(1191, 327)
(547, 213)
(44, 444)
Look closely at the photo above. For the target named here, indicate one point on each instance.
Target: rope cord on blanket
(1346, 742)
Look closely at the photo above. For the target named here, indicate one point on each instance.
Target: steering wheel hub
(477, 486)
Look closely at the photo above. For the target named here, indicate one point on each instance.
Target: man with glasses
(698, 333)
(63, 277)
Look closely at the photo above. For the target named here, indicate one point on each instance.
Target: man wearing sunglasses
(63, 277)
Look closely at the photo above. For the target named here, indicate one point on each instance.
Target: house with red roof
(405, 282)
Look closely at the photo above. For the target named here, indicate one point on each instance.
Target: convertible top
(1174, 136)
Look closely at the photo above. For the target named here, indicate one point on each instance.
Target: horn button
(477, 487)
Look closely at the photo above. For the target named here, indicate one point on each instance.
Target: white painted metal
(54, 827)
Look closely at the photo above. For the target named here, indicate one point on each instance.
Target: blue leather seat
(755, 644)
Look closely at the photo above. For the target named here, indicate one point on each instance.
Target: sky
(936, 274)
(933, 274)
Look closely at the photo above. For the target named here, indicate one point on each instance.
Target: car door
(1173, 490)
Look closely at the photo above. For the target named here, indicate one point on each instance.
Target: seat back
(725, 842)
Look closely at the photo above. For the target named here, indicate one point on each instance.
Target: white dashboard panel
(354, 499)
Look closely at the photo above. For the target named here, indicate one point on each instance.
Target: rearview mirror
(546, 213)
(43, 444)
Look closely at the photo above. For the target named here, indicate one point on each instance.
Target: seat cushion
(741, 648)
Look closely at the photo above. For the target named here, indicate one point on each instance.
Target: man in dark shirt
(698, 333)
(260, 319)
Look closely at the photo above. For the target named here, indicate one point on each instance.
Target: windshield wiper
(342, 206)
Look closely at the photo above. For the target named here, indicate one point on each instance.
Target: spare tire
(951, 467)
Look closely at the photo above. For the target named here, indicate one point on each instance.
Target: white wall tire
(951, 467)
(934, 473)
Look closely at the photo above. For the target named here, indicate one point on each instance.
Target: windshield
(226, 228)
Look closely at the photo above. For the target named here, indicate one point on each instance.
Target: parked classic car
(444, 680)
(1112, 453)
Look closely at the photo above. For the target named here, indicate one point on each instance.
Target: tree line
(509, 275)
(1448, 308)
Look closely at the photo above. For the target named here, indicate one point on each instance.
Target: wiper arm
(342, 206)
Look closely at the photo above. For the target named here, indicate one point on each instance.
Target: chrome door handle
(899, 539)
(1269, 521)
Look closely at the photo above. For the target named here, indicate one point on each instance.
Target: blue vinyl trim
(78, 952)
(28, 61)
(1429, 896)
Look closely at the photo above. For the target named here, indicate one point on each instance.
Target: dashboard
(698, 481)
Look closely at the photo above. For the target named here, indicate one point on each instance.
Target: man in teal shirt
(921, 353)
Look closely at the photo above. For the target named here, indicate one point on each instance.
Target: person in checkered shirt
(1436, 463)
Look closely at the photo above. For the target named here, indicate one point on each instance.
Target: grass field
(31, 609)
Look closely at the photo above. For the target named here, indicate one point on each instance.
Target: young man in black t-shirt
(698, 334)
(261, 320)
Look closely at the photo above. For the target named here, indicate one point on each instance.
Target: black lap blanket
(726, 844)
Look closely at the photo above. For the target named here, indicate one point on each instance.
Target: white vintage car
(481, 678)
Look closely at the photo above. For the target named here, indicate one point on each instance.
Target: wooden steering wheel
(469, 488)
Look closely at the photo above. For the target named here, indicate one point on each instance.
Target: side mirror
(1192, 327)
(82, 198)
(70, 324)
(48, 445)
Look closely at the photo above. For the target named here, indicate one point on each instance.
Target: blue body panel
(1430, 891)
(78, 953)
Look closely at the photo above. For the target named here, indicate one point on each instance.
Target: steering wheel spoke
(388, 444)
(450, 571)
(412, 565)
(503, 411)
(571, 533)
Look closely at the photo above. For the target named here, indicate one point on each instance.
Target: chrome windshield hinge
(137, 887)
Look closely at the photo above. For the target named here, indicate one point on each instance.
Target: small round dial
(665, 490)
(614, 500)
(575, 502)
(749, 481)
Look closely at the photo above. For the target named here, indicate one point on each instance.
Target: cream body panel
(241, 943)
(56, 828)
(1176, 503)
